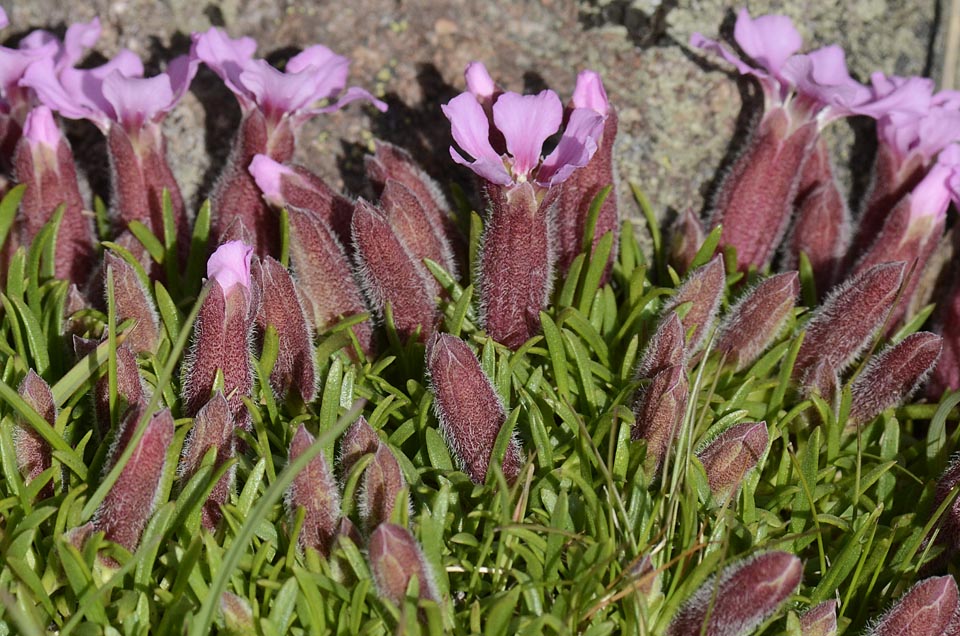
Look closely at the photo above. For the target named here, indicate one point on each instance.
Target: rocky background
(682, 116)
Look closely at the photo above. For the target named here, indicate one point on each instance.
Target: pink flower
(816, 84)
(589, 93)
(313, 75)
(229, 265)
(525, 121)
(932, 196)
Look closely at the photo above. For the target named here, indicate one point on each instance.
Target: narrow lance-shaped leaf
(281, 308)
(703, 289)
(382, 482)
(125, 510)
(388, 273)
(929, 608)
(315, 490)
(893, 375)
(468, 408)
(213, 427)
(847, 320)
(728, 457)
(33, 452)
(395, 558)
(746, 594)
(757, 319)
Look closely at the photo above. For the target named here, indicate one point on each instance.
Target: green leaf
(152, 244)
(8, 210)
(593, 213)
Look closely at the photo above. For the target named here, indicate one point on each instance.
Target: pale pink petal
(181, 70)
(934, 132)
(137, 100)
(268, 173)
(589, 92)
(65, 97)
(329, 70)
(352, 94)
(932, 196)
(575, 148)
(277, 92)
(526, 121)
(15, 62)
(471, 131)
(41, 128)
(79, 38)
(770, 39)
(229, 265)
(227, 57)
(822, 76)
(479, 81)
(4, 22)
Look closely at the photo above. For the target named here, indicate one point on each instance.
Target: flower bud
(756, 198)
(659, 409)
(315, 489)
(282, 308)
(296, 187)
(221, 335)
(703, 289)
(32, 451)
(822, 226)
(388, 274)
(409, 219)
(948, 524)
(392, 162)
(820, 620)
(395, 558)
(929, 608)
(237, 615)
(891, 376)
(125, 510)
(132, 300)
(44, 162)
(757, 318)
(468, 408)
(324, 277)
(359, 440)
(382, 482)
(747, 593)
(728, 457)
(516, 264)
(664, 349)
(686, 237)
(847, 320)
(130, 389)
(213, 427)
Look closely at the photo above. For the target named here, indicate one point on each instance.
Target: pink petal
(267, 173)
(15, 62)
(79, 37)
(526, 121)
(575, 148)
(229, 265)
(4, 22)
(352, 94)
(479, 81)
(822, 76)
(227, 57)
(41, 128)
(938, 129)
(328, 69)
(770, 39)
(471, 131)
(137, 100)
(69, 102)
(277, 92)
(932, 196)
(181, 70)
(589, 92)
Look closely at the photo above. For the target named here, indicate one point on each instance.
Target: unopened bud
(929, 608)
(388, 273)
(132, 300)
(659, 409)
(891, 376)
(820, 620)
(686, 237)
(410, 221)
(468, 408)
(315, 489)
(281, 308)
(359, 440)
(703, 290)
(395, 558)
(665, 348)
(728, 457)
(757, 319)
(382, 482)
(847, 320)
(32, 451)
(213, 427)
(746, 594)
(237, 615)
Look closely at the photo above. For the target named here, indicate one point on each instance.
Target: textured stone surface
(678, 109)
